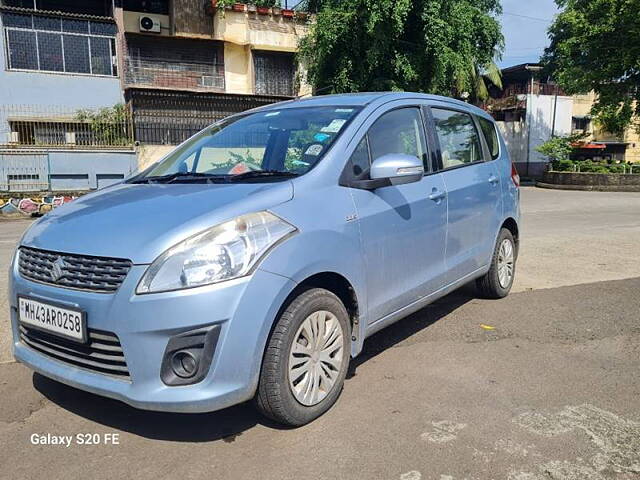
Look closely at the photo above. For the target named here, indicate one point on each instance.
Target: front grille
(102, 353)
(95, 274)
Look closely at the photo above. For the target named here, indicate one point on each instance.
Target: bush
(563, 165)
(589, 166)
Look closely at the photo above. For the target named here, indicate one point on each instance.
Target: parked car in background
(253, 261)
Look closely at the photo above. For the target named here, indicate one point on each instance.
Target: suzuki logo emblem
(57, 271)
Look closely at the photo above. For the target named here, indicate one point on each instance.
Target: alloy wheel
(505, 263)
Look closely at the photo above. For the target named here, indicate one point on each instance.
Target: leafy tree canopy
(436, 46)
(595, 45)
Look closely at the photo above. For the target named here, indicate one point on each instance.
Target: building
(57, 58)
(600, 145)
(188, 63)
(530, 109)
(92, 90)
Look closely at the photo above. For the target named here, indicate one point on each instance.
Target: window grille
(176, 64)
(29, 126)
(51, 44)
(274, 73)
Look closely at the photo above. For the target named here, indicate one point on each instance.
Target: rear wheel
(306, 359)
(497, 282)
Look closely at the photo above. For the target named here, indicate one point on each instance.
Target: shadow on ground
(229, 423)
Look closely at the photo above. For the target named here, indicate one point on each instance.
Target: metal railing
(34, 127)
(174, 75)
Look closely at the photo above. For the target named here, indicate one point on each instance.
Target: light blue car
(254, 260)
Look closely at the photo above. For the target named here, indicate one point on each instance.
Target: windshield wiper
(181, 176)
(210, 177)
(261, 173)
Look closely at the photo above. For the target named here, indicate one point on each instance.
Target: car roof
(366, 98)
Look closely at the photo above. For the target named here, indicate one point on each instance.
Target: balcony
(36, 127)
(170, 75)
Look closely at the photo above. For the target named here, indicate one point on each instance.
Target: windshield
(272, 143)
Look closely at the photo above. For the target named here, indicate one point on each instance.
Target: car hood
(140, 221)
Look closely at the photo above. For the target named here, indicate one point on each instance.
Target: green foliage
(259, 3)
(564, 165)
(108, 125)
(559, 148)
(589, 166)
(595, 45)
(437, 46)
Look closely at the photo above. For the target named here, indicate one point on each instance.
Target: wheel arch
(340, 286)
(511, 225)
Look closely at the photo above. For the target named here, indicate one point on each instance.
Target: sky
(524, 25)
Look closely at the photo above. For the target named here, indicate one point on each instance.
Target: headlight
(226, 251)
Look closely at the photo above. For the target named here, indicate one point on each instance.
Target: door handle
(437, 195)
(493, 180)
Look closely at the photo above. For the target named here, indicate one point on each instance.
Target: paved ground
(553, 391)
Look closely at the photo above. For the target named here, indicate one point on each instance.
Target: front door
(403, 227)
(473, 191)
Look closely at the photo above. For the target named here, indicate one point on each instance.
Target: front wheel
(497, 282)
(306, 359)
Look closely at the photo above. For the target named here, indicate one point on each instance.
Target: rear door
(402, 227)
(473, 190)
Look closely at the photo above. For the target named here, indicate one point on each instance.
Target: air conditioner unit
(208, 81)
(149, 24)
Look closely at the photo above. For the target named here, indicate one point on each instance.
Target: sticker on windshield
(321, 137)
(272, 114)
(343, 110)
(335, 125)
(314, 150)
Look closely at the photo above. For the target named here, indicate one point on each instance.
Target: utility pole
(555, 108)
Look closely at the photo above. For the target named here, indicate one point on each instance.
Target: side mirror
(397, 168)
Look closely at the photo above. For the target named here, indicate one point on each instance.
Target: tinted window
(100, 55)
(50, 51)
(22, 49)
(398, 131)
(491, 136)
(459, 142)
(38, 43)
(76, 54)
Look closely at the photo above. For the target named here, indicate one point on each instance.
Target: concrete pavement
(551, 391)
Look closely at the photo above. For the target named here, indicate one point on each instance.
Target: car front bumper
(244, 309)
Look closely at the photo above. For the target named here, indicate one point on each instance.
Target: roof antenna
(298, 97)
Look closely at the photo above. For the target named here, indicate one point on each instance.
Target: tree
(436, 46)
(595, 46)
(559, 150)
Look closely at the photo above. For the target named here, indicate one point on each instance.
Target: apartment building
(57, 59)
(187, 63)
(599, 144)
(91, 90)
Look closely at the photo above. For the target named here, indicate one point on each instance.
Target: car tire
(494, 284)
(282, 389)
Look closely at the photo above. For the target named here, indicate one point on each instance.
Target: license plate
(63, 321)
